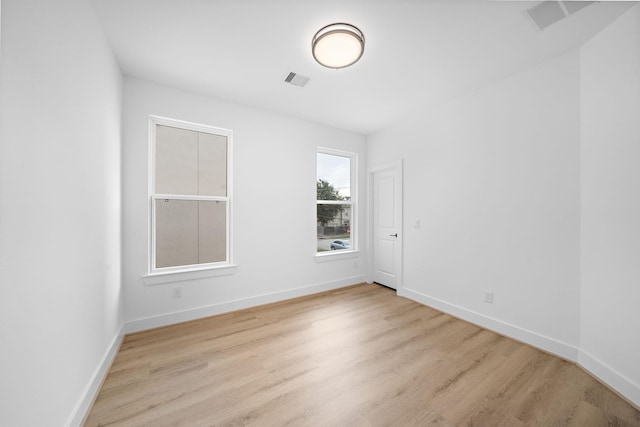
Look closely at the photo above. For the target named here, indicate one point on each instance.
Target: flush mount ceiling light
(338, 45)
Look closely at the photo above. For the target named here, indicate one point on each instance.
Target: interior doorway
(386, 224)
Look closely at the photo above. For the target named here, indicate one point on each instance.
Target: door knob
(393, 235)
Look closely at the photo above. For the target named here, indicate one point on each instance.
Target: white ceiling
(418, 52)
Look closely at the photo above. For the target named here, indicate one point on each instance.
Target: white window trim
(337, 255)
(187, 275)
(354, 251)
(194, 271)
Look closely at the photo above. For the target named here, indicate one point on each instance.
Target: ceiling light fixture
(338, 45)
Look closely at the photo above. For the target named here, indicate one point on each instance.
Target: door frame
(395, 165)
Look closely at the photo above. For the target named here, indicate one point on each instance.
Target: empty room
(319, 213)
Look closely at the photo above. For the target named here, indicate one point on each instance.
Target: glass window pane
(333, 227)
(176, 233)
(333, 177)
(212, 164)
(176, 161)
(212, 231)
(190, 232)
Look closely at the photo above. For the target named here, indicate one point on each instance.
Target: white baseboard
(239, 304)
(609, 376)
(534, 339)
(82, 408)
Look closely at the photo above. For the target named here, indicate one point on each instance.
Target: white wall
(529, 188)
(274, 208)
(610, 304)
(493, 178)
(61, 305)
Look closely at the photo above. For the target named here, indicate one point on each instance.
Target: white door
(387, 226)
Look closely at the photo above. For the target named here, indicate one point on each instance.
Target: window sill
(336, 255)
(184, 275)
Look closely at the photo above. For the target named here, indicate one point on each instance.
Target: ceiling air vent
(546, 13)
(297, 79)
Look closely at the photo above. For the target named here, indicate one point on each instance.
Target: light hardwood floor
(358, 356)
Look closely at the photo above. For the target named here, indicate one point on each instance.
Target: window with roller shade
(190, 196)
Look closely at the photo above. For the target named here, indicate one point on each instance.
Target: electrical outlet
(488, 297)
(355, 264)
(177, 293)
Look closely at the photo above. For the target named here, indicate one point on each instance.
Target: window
(190, 196)
(335, 201)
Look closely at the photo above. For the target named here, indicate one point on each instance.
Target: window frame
(152, 197)
(353, 203)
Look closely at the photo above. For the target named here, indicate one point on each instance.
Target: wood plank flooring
(358, 356)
